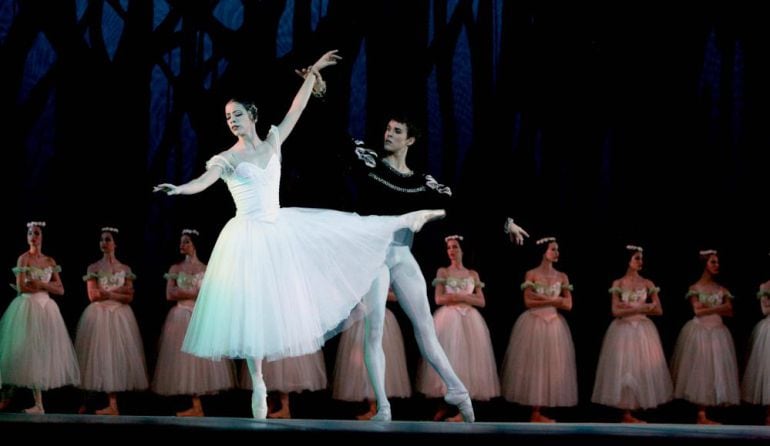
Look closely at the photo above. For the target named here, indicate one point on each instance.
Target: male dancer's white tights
(404, 275)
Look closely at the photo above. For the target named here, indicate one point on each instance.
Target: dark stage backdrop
(603, 127)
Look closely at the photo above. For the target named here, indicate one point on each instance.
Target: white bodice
(255, 189)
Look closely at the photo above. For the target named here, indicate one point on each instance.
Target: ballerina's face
(552, 252)
(637, 261)
(454, 251)
(34, 236)
(239, 121)
(186, 245)
(107, 242)
(712, 265)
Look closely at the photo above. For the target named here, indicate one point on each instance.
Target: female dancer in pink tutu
(704, 367)
(632, 371)
(108, 342)
(756, 379)
(35, 348)
(539, 366)
(462, 333)
(177, 372)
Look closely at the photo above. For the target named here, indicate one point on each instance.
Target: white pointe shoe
(259, 404)
(463, 402)
(416, 220)
(383, 414)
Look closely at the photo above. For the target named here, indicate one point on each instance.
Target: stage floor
(93, 429)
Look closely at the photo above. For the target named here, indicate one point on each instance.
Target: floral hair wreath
(634, 248)
(190, 231)
(545, 240)
(453, 237)
(39, 224)
(110, 229)
(708, 252)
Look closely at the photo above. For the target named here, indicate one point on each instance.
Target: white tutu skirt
(704, 367)
(294, 374)
(632, 371)
(280, 287)
(35, 348)
(179, 373)
(109, 348)
(756, 379)
(351, 380)
(464, 336)
(539, 366)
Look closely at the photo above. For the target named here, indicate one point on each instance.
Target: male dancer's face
(396, 138)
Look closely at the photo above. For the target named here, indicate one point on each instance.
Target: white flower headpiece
(453, 237)
(634, 248)
(190, 231)
(110, 229)
(39, 224)
(545, 240)
(708, 252)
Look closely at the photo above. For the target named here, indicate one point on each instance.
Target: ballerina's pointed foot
(259, 404)
(463, 402)
(383, 414)
(416, 220)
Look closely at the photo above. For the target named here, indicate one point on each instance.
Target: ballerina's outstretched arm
(209, 177)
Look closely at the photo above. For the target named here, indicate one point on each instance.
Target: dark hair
(412, 128)
(631, 249)
(250, 107)
(542, 247)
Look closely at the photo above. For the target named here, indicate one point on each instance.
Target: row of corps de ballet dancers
(346, 259)
(36, 352)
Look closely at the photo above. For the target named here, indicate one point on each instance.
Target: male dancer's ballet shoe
(35, 410)
(417, 219)
(383, 414)
(463, 402)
